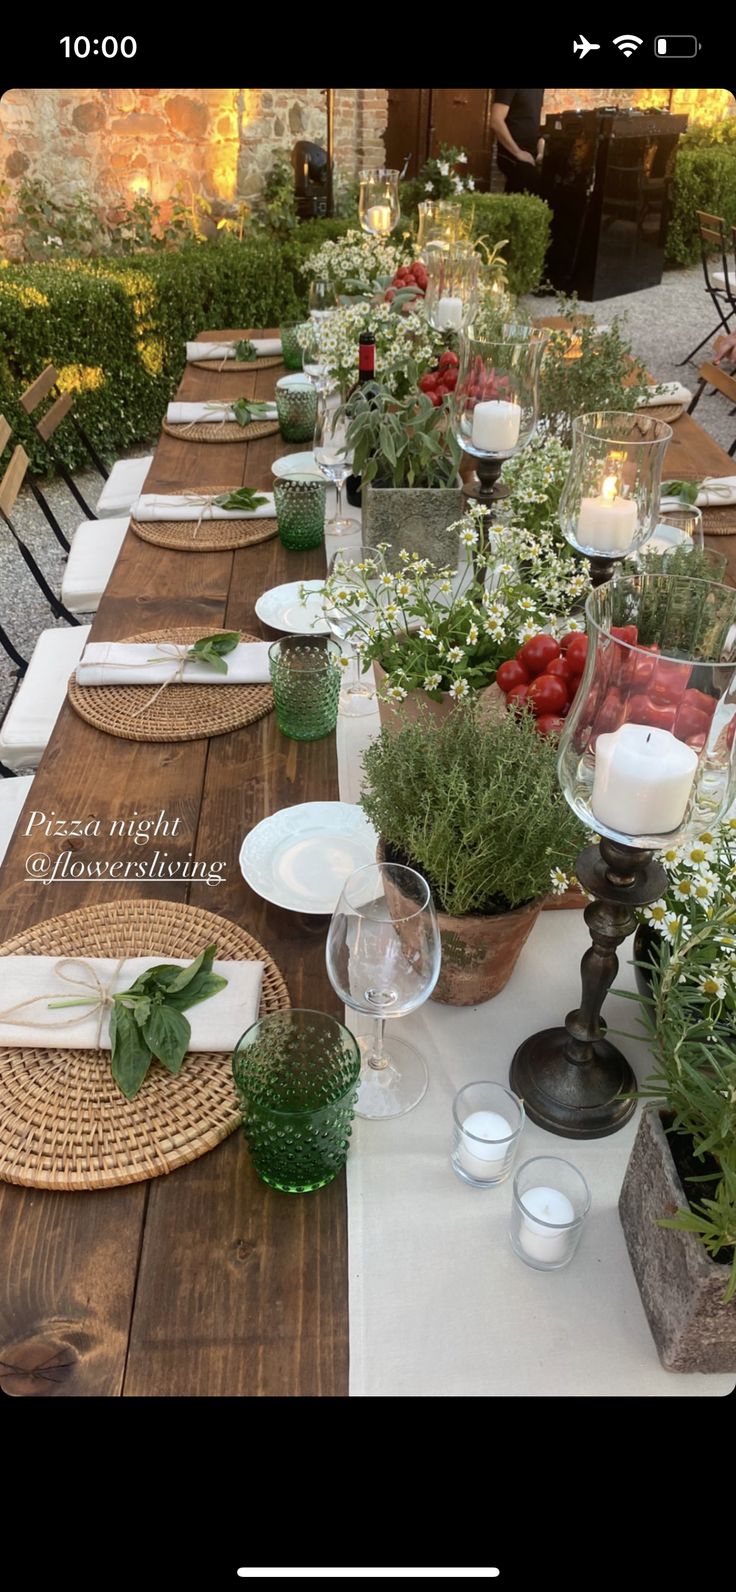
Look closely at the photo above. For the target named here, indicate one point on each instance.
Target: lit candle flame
(609, 488)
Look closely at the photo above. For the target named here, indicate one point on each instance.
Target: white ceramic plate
(300, 464)
(300, 857)
(282, 609)
(663, 538)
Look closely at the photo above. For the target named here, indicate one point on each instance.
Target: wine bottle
(366, 375)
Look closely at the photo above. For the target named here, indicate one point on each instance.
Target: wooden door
(461, 117)
(407, 132)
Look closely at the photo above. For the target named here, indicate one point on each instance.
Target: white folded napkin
(191, 414)
(672, 392)
(197, 506)
(218, 351)
(128, 663)
(216, 1024)
(715, 492)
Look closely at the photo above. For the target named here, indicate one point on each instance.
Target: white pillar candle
(537, 1240)
(642, 781)
(449, 313)
(496, 426)
(482, 1155)
(378, 218)
(607, 522)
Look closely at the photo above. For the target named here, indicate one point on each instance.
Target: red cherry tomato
(420, 272)
(700, 701)
(642, 710)
(435, 399)
(639, 667)
(561, 668)
(429, 381)
(626, 633)
(547, 694)
(669, 680)
(516, 697)
(576, 651)
(448, 358)
(690, 725)
(550, 724)
(510, 674)
(611, 713)
(538, 652)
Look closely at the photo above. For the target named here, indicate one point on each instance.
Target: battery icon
(680, 46)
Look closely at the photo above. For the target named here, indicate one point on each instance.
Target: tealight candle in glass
(487, 1124)
(610, 502)
(649, 739)
(496, 400)
(451, 294)
(440, 226)
(550, 1203)
(378, 201)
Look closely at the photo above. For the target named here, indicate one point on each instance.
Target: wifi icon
(627, 43)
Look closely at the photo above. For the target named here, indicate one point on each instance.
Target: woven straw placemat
(180, 712)
(221, 430)
(720, 522)
(667, 412)
(261, 362)
(64, 1122)
(212, 536)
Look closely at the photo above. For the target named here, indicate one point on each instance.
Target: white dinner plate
(298, 464)
(663, 538)
(283, 609)
(300, 857)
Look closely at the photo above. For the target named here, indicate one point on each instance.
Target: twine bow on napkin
(218, 419)
(100, 998)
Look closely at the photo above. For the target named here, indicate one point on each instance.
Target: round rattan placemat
(180, 712)
(212, 536)
(221, 430)
(667, 412)
(64, 1122)
(261, 362)
(719, 522)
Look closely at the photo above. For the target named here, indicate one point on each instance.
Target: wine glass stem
(376, 1057)
(338, 510)
(351, 677)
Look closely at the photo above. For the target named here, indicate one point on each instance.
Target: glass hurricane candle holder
(440, 226)
(451, 294)
(647, 750)
(550, 1204)
(379, 207)
(610, 501)
(487, 1125)
(497, 401)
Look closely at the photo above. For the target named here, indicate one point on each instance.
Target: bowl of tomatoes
(544, 676)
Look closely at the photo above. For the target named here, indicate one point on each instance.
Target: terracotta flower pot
(681, 1287)
(396, 714)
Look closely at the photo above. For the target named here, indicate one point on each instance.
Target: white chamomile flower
(344, 662)
(527, 605)
(455, 655)
(699, 853)
(671, 857)
(386, 579)
(507, 570)
(459, 689)
(445, 585)
(682, 889)
(391, 613)
(404, 555)
(396, 693)
(528, 629)
(494, 629)
(559, 881)
(469, 536)
(427, 634)
(432, 681)
(704, 886)
(429, 187)
(656, 913)
(710, 984)
(472, 636)
(672, 926)
(403, 588)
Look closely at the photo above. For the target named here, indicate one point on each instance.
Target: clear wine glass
(383, 959)
(334, 459)
(312, 361)
(322, 300)
(355, 571)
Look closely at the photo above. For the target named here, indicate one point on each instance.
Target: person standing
(516, 119)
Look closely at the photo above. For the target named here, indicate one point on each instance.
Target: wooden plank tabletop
(204, 1282)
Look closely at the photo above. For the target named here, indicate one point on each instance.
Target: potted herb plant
(476, 807)
(678, 1201)
(407, 455)
(585, 365)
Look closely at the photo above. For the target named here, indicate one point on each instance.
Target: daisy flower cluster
(354, 263)
(446, 174)
(697, 916)
(403, 344)
(533, 540)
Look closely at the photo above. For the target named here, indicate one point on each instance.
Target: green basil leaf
(186, 974)
(245, 498)
(200, 989)
(168, 1034)
(245, 350)
(129, 1054)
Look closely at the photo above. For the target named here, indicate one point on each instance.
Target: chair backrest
(13, 478)
(46, 385)
(10, 486)
(714, 238)
(715, 377)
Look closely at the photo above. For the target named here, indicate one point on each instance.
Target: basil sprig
(687, 491)
(147, 1021)
(213, 649)
(246, 410)
(246, 351)
(244, 498)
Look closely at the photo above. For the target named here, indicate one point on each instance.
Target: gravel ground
(662, 324)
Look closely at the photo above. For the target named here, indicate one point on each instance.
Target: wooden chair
(123, 483)
(9, 488)
(720, 285)
(712, 376)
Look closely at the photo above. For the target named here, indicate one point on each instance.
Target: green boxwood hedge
(704, 179)
(522, 218)
(116, 328)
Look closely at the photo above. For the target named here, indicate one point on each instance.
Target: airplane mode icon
(584, 46)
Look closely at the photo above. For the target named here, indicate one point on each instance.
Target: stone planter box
(416, 518)
(681, 1287)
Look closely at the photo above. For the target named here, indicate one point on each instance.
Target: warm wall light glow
(29, 297)
(140, 184)
(151, 350)
(80, 378)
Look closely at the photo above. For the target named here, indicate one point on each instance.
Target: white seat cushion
(123, 485)
(35, 707)
(13, 793)
(95, 547)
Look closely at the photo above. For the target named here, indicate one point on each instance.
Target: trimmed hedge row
(116, 328)
(705, 179)
(522, 218)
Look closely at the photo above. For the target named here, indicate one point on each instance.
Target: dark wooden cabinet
(421, 120)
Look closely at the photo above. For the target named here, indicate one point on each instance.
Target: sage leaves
(213, 649)
(247, 410)
(244, 498)
(147, 1021)
(245, 350)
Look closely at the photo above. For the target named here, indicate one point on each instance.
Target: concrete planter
(681, 1287)
(414, 517)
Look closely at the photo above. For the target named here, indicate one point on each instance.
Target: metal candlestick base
(571, 1079)
(601, 570)
(492, 489)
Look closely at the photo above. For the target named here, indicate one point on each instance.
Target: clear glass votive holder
(550, 1203)
(487, 1124)
(306, 674)
(301, 505)
(291, 348)
(296, 408)
(687, 519)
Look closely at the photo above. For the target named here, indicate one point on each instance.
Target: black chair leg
(48, 512)
(723, 323)
(54, 602)
(13, 653)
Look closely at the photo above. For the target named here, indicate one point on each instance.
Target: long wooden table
(204, 1282)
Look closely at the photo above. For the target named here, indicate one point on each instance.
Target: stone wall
(700, 104)
(217, 142)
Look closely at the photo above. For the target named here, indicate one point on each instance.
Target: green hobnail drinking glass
(296, 408)
(306, 674)
(291, 348)
(296, 1074)
(300, 512)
